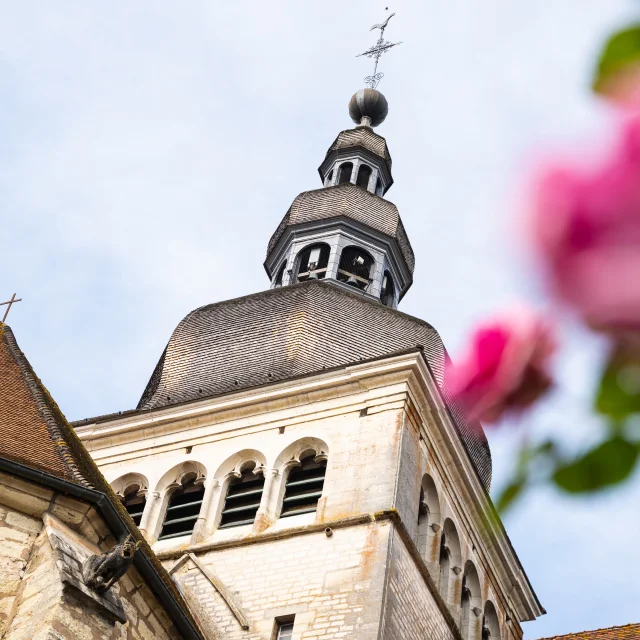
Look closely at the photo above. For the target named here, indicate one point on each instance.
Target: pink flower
(586, 228)
(506, 367)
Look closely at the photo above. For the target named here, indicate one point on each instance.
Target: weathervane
(9, 302)
(376, 51)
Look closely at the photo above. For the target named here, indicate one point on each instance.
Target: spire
(347, 233)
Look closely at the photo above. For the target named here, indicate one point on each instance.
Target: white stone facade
(368, 562)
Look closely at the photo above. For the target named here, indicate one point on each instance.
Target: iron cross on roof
(9, 302)
(376, 51)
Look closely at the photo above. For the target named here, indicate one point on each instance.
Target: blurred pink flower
(506, 367)
(586, 228)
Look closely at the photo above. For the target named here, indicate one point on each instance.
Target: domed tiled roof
(350, 201)
(289, 332)
(365, 138)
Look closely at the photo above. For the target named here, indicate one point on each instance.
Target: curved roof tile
(362, 137)
(289, 332)
(350, 201)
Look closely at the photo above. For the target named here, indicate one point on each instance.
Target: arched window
(379, 186)
(313, 261)
(429, 524)
(470, 601)
(364, 174)
(304, 485)
(445, 563)
(329, 178)
(388, 292)
(344, 173)
(182, 510)
(132, 489)
(278, 281)
(490, 624)
(243, 498)
(355, 267)
(423, 524)
(448, 560)
(465, 607)
(134, 502)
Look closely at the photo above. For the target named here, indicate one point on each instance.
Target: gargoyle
(101, 572)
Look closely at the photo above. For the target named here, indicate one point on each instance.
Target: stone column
(354, 171)
(334, 256)
(147, 514)
(265, 514)
(372, 180)
(200, 530)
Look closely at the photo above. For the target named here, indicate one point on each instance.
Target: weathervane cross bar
(9, 303)
(376, 51)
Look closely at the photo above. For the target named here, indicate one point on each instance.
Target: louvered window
(280, 275)
(344, 173)
(387, 294)
(355, 267)
(313, 261)
(243, 500)
(135, 504)
(304, 487)
(364, 175)
(285, 631)
(182, 511)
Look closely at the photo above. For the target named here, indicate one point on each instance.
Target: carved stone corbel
(101, 572)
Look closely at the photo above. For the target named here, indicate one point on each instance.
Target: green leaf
(619, 393)
(509, 494)
(621, 51)
(608, 464)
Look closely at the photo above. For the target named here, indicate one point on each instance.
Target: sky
(148, 150)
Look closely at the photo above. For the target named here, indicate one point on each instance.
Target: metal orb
(368, 103)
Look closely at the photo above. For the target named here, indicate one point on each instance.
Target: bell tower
(347, 232)
(305, 474)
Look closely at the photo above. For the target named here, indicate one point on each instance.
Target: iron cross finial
(380, 47)
(9, 303)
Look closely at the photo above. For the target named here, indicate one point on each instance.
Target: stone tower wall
(386, 444)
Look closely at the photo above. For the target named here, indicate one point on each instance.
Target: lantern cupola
(347, 232)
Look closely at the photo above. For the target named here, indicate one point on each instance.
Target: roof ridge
(45, 405)
(577, 633)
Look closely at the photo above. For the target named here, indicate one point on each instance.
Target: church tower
(294, 460)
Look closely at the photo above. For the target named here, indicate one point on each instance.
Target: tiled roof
(362, 137)
(289, 332)
(350, 201)
(33, 430)
(625, 632)
(34, 433)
